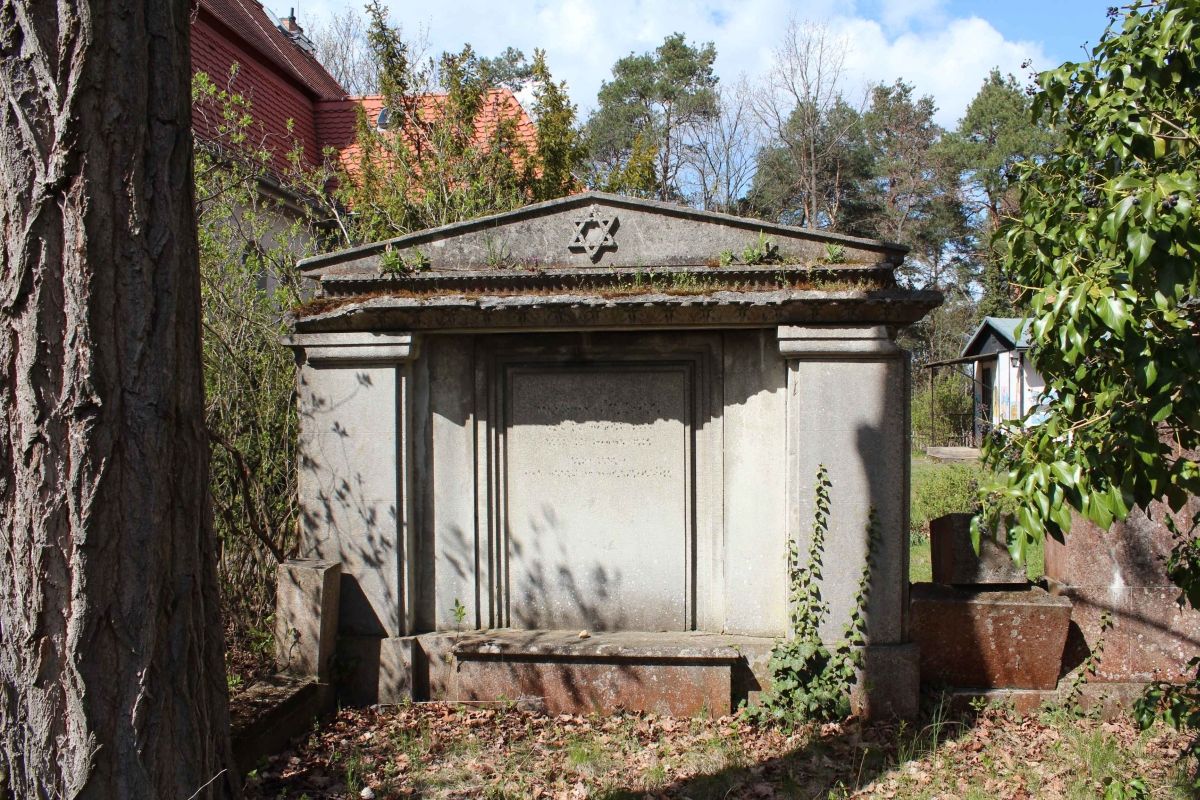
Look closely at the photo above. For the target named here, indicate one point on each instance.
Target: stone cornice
(602, 280)
(721, 309)
(353, 348)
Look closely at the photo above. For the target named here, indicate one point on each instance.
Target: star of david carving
(594, 245)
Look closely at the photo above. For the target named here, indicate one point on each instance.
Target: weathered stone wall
(526, 451)
(755, 483)
(1121, 572)
(610, 481)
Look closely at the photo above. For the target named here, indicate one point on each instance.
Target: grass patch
(920, 565)
(941, 488)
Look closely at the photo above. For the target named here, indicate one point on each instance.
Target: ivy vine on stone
(809, 680)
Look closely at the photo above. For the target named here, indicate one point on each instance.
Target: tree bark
(111, 667)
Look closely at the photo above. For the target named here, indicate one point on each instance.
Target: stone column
(355, 471)
(847, 409)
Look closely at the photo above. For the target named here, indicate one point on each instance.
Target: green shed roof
(1003, 329)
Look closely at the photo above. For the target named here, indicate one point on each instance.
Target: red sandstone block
(680, 690)
(1131, 553)
(1121, 572)
(989, 639)
(1150, 636)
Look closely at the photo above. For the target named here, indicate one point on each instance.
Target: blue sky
(1063, 26)
(944, 47)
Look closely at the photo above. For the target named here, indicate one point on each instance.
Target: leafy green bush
(1106, 242)
(939, 489)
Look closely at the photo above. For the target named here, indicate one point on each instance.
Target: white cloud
(913, 39)
(949, 63)
(899, 14)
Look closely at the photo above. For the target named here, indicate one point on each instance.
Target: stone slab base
(677, 674)
(270, 713)
(989, 639)
(1022, 701)
(959, 454)
(679, 689)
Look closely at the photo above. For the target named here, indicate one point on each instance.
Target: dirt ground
(438, 750)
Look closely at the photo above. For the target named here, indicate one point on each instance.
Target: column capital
(354, 347)
(836, 342)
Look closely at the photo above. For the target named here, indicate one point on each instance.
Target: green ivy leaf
(1140, 244)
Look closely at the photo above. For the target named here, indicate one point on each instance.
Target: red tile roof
(294, 100)
(280, 79)
(336, 120)
(247, 20)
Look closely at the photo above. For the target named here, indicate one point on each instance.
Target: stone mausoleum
(557, 453)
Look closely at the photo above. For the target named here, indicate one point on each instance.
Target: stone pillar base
(306, 616)
(889, 684)
(371, 669)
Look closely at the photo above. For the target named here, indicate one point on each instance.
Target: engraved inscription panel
(597, 478)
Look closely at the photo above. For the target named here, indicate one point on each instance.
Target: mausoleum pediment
(596, 231)
(601, 260)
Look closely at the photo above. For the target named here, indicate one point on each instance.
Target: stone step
(673, 673)
(267, 715)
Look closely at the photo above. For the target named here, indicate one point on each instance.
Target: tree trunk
(113, 682)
